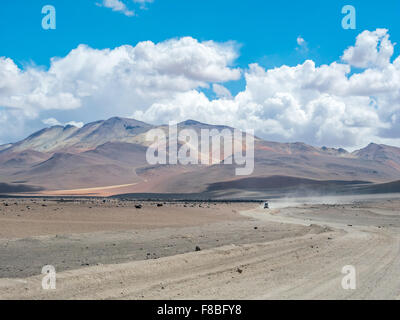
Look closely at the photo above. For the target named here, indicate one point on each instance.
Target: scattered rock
(198, 248)
(239, 270)
(138, 206)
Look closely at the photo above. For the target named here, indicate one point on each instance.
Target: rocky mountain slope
(112, 152)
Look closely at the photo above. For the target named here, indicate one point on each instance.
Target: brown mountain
(380, 153)
(109, 153)
(90, 136)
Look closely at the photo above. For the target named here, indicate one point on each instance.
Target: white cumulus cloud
(221, 91)
(117, 5)
(321, 105)
(54, 122)
(143, 3)
(329, 104)
(302, 44)
(372, 49)
(95, 84)
(300, 41)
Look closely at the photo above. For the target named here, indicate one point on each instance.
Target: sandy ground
(295, 252)
(98, 191)
(22, 218)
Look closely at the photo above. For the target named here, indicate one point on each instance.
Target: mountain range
(108, 157)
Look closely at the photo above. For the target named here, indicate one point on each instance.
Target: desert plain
(128, 249)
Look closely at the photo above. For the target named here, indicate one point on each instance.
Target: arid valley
(87, 203)
(126, 249)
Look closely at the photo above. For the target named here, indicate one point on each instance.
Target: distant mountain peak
(200, 125)
(380, 152)
(373, 144)
(191, 122)
(116, 120)
(373, 147)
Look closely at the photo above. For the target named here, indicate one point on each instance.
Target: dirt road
(298, 266)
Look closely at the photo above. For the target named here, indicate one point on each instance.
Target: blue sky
(264, 32)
